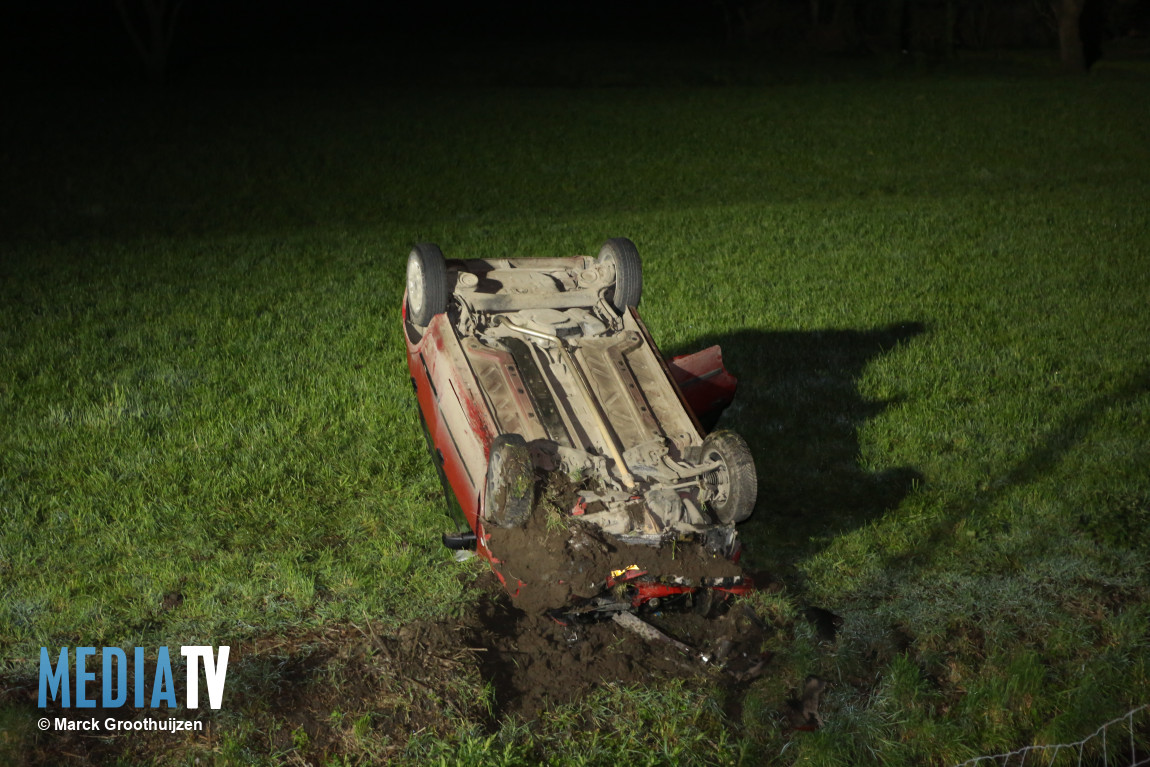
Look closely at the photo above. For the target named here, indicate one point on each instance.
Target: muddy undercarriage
(585, 389)
(535, 367)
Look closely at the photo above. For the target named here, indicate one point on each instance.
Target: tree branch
(128, 25)
(171, 31)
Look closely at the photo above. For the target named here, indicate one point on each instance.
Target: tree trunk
(895, 10)
(152, 33)
(1069, 13)
(843, 23)
(982, 26)
(838, 34)
(948, 34)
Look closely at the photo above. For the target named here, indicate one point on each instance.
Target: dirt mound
(554, 561)
(367, 689)
(534, 662)
(555, 558)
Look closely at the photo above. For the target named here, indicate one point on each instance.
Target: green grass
(182, 423)
(934, 292)
(664, 723)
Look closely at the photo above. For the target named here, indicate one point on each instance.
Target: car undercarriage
(526, 367)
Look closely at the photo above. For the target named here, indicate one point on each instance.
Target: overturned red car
(524, 367)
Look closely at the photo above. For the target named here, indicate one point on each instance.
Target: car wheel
(510, 490)
(622, 253)
(426, 283)
(733, 486)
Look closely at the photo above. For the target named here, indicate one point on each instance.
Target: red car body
(471, 389)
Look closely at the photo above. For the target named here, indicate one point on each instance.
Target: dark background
(85, 42)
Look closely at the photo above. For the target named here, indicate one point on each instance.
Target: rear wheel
(510, 490)
(733, 486)
(624, 256)
(426, 283)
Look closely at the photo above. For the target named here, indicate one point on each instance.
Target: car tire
(426, 283)
(734, 486)
(510, 491)
(628, 287)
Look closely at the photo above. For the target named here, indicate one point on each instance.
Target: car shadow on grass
(1116, 522)
(800, 409)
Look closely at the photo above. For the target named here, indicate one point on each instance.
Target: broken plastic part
(460, 541)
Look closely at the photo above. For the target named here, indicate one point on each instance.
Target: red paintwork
(648, 590)
(645, 592)
(701, 379)
(746, 587)
(431, 346)
(477, 419)
(628, 575)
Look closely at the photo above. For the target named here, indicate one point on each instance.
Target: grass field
(934, 292)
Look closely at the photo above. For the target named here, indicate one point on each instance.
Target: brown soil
(556, 558)
(534, 662)
(310, 693)
(313, 688)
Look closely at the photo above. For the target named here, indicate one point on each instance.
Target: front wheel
(733, 485)
(624, 256)
(426, 283)
(510, 490)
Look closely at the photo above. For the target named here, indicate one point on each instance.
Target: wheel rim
(414, 284)
(609, 261)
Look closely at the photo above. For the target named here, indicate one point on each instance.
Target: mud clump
(555, 559)
(331, 690)
(534, 663)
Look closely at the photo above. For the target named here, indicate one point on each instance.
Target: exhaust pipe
(585, 390)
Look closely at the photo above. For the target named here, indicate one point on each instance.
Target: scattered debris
(633, 623)
(804, 712)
